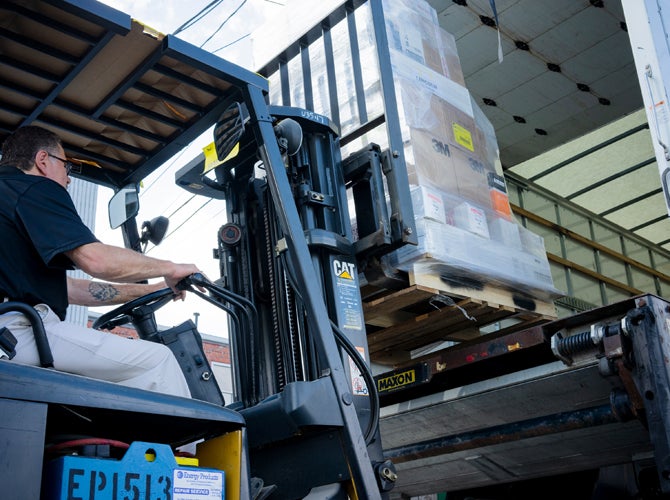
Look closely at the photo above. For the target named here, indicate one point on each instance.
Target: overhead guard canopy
(123, 97)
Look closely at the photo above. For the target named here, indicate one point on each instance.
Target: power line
(224, 22)
(164, 171)
(213, 217)
(205, 10)
(181, 206)
(188, 24)
(231, 43)
(187, 219)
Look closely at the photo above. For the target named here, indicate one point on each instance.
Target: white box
(471, 218)
(532, 243)
(506, 232)
(428, 203)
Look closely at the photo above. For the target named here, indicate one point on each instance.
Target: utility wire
(231, 43)
(187, 219)
(197, 17)
(171, 215)
(224, 22)
(173, 160)
(243, 36)
(181, 206)
(191, 216)
(188, 24)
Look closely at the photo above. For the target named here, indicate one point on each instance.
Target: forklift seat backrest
(43, 349)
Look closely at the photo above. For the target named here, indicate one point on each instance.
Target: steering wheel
(135, 310)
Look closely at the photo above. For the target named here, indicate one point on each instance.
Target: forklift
(305, 420)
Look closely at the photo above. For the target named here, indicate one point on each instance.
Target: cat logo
(344, 270)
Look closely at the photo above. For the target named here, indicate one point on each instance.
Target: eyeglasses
(67, 164)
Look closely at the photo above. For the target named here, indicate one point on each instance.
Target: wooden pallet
(430, 311)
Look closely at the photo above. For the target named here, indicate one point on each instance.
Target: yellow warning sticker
(211, 158)
(463, 136)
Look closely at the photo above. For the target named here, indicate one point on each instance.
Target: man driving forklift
(43, 236)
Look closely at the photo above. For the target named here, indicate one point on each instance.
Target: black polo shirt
(38, 222)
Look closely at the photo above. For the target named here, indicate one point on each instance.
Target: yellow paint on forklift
(224, 453)
(187, 461)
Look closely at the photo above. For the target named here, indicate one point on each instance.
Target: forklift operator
(42, 237)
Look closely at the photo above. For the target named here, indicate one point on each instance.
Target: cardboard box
(472, 179)
(442, 144)
(433, 161)
(485, 138)
(532, 243)
(413, 30)
(429, 163)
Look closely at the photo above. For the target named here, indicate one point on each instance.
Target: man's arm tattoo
(103, 292)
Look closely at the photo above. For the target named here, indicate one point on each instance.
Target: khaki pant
(99, 355)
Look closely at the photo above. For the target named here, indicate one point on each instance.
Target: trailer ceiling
(567, 70)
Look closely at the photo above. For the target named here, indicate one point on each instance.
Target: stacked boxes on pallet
(466, 231)
(465, 227)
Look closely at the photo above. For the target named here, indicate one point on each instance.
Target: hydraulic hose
(350, 349)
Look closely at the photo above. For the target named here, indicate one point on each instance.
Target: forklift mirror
(123, 205)
(154, 230)
(289, 136)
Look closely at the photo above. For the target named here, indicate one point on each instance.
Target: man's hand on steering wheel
(177, 274)
(134, 311)
(142, 309)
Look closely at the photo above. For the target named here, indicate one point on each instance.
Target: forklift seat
(8, 342)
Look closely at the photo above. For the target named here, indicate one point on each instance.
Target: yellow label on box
(463, 136)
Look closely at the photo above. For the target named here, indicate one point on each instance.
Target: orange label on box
(500, 202)
(463, 136)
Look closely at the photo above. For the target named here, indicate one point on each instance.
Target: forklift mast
(297, 333)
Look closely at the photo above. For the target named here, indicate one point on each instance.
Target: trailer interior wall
(593, 259)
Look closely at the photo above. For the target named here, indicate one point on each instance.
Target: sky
(194, 220)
